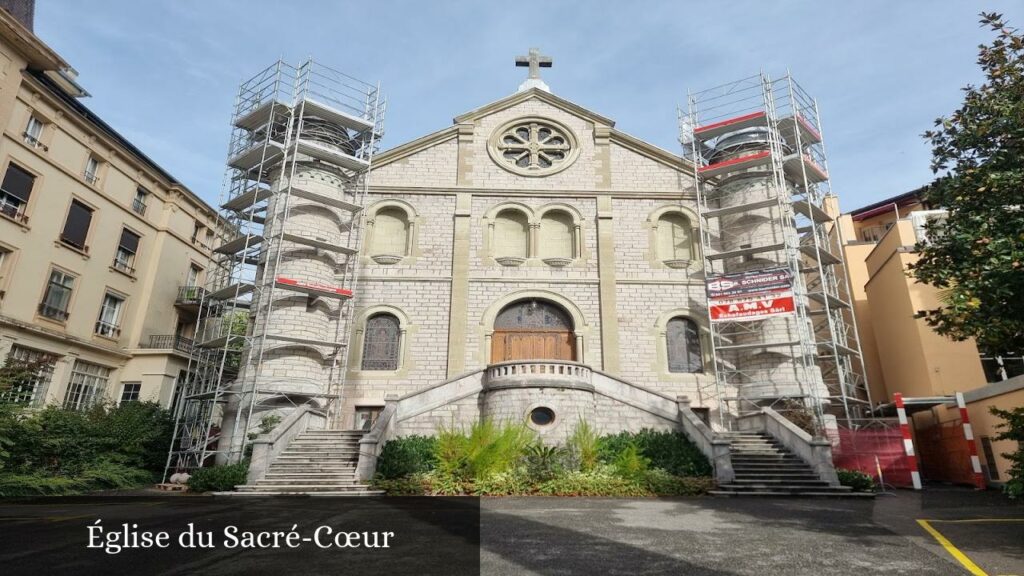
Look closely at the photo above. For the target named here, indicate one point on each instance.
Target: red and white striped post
(908, 440)
(972, 446)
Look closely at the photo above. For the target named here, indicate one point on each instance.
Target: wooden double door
(533, 330)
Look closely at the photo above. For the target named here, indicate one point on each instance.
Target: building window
(34, 375)
(5, 261)
(193, 275)
(92, 170)
(88, 381)
(57, 297)
(109, 321)
(533, 146)
(390, 233)
(76, 227)
(557, 235)
(683, 341)
(34, 132)
(511, 235)
(127, 247)
(139, 203)
(366, 416)
(130, 392)
(15, 192)
(381, 342)
(542, 416)
(675, 237)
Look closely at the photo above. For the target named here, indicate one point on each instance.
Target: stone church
(530, 262)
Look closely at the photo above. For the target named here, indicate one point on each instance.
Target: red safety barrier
(873, 449)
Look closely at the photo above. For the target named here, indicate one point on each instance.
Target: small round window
(542, 416)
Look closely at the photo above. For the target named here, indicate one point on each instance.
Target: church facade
(522, 263)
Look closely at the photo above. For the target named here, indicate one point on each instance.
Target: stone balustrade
(534, 373)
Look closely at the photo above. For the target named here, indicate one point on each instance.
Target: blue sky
(165, 73)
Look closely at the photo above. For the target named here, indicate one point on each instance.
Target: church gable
(430, 161)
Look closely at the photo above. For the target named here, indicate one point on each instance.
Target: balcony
(169, 342)
(14, 211)
(122, 265)
(91, 177)
(538, 373)
(107, 330)
(139, 207)
(190, 298)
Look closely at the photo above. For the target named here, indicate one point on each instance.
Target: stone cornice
(35, 51)
(476, 191)
(651, 151)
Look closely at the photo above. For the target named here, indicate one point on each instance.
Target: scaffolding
(780, 312)
(274, 316)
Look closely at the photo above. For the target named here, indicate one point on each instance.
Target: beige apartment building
(100, 249)
(903, 354)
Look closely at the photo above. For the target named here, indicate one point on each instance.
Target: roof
(98, 123)
(912, 197)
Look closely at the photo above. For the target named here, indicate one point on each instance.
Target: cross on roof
(535, 62)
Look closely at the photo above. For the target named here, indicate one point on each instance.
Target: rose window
(533, 147)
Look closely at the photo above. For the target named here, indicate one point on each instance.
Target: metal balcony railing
(107, 329)
(139, 207)
(190, 295)
(169, 342)
(53, 312)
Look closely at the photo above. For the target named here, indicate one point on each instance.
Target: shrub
(407, 455)
(630, 464)
(583, 444)
(544, 462)
(512, 483)
(859, 481)
(670, 451)
(38, 484)
(597, 482)
(1012, 428)
(106, 474)
(485, 450)
(662, 483)
(137, 432)
(412, 485)
(219, 478)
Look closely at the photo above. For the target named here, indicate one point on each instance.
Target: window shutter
(18, 183)
(129, 241)
(76, 228)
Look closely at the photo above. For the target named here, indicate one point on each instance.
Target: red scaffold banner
(756, 308)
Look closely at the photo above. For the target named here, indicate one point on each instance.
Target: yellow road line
(953, 550)
(978, 520)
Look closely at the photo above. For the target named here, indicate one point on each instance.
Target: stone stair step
(325, 493)
(300, 487)
(777, 494)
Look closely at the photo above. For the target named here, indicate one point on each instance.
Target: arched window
(556, 235)
(683, 339)
(675, 237)
(510, 234)
(381, 342)
(390, 233)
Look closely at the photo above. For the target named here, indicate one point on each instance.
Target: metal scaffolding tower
(274, 316)
(780, 312)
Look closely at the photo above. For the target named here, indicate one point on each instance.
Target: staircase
(763, 467)
(317, 462)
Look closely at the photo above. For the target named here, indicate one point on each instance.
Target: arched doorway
(533, 330)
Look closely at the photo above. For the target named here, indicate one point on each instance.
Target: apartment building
(101, 250)
(903, 354)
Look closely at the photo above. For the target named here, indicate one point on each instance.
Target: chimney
(23, 11)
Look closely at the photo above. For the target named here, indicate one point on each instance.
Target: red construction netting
(868, 449)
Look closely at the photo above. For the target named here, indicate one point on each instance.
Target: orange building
(902, 354)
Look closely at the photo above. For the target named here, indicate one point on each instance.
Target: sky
(165, 73)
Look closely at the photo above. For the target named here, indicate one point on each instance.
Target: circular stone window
(542, 416)
(533, 146)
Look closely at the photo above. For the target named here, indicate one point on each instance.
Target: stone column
(606, 287)
(458, 315)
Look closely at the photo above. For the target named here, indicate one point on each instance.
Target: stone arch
(559, 233)
(660, 331)
(657, 219)
(405, 328)
(489, 224)
(393, 208)
(581, 330)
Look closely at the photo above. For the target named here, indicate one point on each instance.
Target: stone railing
(539, 373)
(267, 447)
(373, 441)
(815, 451)
(713, 446)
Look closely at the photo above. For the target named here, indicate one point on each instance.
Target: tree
(1013, 429)
(975, 256)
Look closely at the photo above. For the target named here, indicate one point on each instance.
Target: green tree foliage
(219, 478)
(976, 255)
(1013, 429)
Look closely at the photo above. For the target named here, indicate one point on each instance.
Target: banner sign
(752, 308)
(750, 283)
